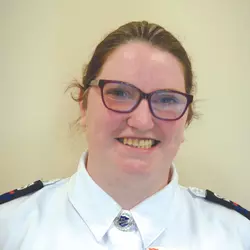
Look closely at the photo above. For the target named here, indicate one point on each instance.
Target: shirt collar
(154, 214)
(88, 199)
(151, 216)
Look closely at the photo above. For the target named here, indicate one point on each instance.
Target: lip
(135, 149)
(138, 138)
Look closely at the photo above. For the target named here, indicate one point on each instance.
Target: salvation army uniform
(77, 214)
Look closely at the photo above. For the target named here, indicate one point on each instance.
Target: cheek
(98, 116)
(173, 131)
(103, 123)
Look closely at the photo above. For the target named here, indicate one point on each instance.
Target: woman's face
(149, 69)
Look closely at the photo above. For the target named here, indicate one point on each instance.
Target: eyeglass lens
(124, 97)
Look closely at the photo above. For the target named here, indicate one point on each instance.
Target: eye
(165, 99)
(118, 93)
(168, 100)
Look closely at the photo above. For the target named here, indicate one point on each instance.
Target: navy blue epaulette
(23, 191)
(213, 197)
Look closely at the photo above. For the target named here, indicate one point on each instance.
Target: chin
(134, 166)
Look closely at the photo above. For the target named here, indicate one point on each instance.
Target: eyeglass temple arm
(94, 83)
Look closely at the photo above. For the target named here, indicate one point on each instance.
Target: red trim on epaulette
(17, 193)
(211, 196)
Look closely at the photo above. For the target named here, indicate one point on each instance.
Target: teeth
(147, 143)
(130, 142)
(141, 143)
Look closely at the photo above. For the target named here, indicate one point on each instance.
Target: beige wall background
(44, 45)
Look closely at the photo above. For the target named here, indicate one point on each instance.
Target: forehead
(145, 66)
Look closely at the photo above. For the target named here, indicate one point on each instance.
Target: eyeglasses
(122, 97)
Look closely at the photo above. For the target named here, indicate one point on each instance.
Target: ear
(83, 111)
(183, 137)
(83, 114)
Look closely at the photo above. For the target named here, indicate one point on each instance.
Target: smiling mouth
(138, 143)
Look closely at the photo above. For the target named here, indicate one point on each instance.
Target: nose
(141, 118)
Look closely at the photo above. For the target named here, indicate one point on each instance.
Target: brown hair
(150, 33)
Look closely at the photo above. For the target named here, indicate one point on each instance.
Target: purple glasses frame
(101, 83)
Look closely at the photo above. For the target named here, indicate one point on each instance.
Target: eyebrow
(95, 82)
(166, 89)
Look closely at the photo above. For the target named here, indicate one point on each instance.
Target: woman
(135, 101)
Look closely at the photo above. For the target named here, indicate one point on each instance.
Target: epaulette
(23, 191)
(213, 197)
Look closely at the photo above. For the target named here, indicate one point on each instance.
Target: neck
(126, 189)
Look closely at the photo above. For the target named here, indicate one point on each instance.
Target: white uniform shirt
(76, 214)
